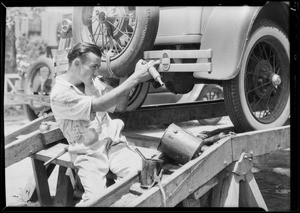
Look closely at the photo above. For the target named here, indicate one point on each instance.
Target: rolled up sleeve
(72, 106)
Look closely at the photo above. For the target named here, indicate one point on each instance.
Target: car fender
(226, 33)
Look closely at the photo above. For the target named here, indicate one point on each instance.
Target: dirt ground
(271, 171)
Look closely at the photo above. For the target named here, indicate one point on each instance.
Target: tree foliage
(18, 49)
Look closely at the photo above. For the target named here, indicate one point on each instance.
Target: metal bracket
(243, 165)
(165, 56)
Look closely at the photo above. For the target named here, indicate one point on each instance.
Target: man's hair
(80, 50)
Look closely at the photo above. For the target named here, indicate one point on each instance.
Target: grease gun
(155, 75)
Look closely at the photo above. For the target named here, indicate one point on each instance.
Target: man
(80, 104)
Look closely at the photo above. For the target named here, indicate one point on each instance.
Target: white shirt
(72, 111)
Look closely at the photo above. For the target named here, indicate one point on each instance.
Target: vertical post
(226, 193)
(250, 193)
(64, 189)
(29, 191)
(190, 201)
(41, 179)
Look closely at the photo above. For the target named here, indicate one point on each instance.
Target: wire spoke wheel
(259, 96)
(110, 28)
(123, 34)
(208, 93)
(265, 81)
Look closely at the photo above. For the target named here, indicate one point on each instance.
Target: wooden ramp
(220, 177)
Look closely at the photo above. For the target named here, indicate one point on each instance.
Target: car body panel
(223, 29)
(226, 33)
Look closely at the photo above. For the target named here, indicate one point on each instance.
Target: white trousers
(92, 169)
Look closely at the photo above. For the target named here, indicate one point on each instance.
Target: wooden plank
(261, 141)
(52, 135)
(30, 144)
(50, 152)
(40, 99)
(64, 189)
(42, 186)
(171, 113)
(28, 128)
(12, 86)
(205, 188)
(187, 179)
(114, 192)
(22, 148)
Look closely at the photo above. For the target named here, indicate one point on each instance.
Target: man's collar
(60, 80)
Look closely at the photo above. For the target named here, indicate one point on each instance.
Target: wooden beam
(114, 192)
(197, 172)
(64, 189)
(22, 148)
(48, 153)
(260, 142)
(42, 185)
(171, 113)
(205, 188)
(28, 128)
(30, 144)
(187, 179)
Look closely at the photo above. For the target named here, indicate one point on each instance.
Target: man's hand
(141, 70)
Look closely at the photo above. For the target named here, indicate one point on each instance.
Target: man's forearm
(113, 97)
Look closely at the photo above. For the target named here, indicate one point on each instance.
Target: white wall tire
(252, 100)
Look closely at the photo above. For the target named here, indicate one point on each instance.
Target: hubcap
(276, 80)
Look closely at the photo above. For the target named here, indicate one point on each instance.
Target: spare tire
(44, 67)
(123, 33)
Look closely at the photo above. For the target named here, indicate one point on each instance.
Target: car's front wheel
(259, 96)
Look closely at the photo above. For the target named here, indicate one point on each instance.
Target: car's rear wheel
(208, 93)
(123, 34)
(259, 96)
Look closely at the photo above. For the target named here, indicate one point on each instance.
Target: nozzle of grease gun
(155, 74)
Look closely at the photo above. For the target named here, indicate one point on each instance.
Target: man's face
(89, 69)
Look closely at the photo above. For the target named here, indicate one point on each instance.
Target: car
(245, 49)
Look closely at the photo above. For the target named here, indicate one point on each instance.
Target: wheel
(137, 96)
(123, 33)
(208, 93)
(259, 96)
(39, 80)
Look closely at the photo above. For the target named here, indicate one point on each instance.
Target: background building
(44, 24)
